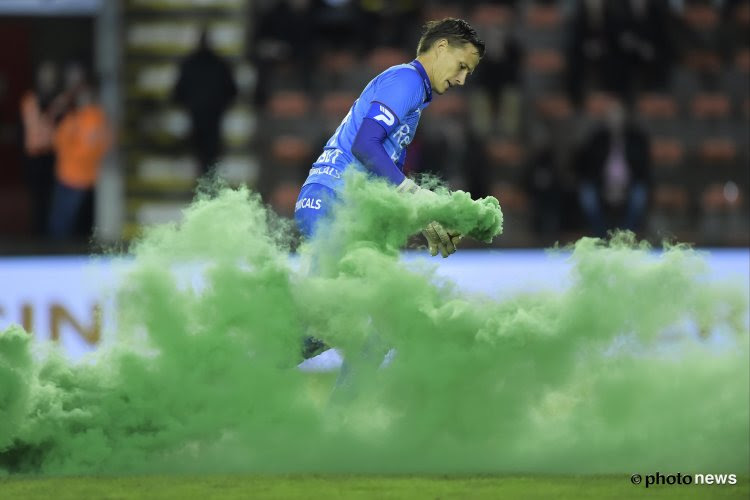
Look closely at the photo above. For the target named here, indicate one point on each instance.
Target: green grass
(357, 487)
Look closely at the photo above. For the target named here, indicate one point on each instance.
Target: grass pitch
(357, 487)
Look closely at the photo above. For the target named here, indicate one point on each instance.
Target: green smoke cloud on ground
(615, 374)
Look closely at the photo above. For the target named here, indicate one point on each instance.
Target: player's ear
(441, 45)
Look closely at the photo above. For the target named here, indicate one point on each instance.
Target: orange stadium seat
(383, 58)
(511, 198)
(723, 219)
(337, 104)
(717, 150)
(288, 104)
(543, 17)
(670, 198)
(290, 150)
(670, 209)
(448, 105)
(710, 106)
(667, 152)
(742, 60)
(700, 17)
(716, 198)
(503, 153)
(712, 198)
(554, 106)
(652, 106)
(545, 61)
(338, 61)
(283, 198)
(597, 104)
(487, 14)
(701, 60)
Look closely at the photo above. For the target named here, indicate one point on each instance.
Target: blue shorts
(314, 204)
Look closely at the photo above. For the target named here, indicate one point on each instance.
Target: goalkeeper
(381, 123)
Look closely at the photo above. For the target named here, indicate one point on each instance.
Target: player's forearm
(368, 149)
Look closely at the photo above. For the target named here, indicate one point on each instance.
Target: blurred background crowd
(583, 116)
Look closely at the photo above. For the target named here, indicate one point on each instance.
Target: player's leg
(359, 367)
(313, 206)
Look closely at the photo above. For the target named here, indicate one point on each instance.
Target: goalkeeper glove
(438, 239)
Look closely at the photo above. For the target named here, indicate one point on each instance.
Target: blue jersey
(395, 99)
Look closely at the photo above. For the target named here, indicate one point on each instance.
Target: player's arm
(368, 145)
(397, 93)
(368, 149)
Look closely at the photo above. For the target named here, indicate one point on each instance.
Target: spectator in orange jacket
(81, 141)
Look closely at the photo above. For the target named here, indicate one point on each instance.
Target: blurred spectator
(614, 167)
(282, 37)
(206, 87)
(592, 58)
(339, 23)
(443, 152)
(74, 78)
(701, 36)
(389, 23)
(660, 54)
(81, 140)
(644, 44)
(475, 166)
(38, 116)
(498, 78)
(542, 180)
(735, 23)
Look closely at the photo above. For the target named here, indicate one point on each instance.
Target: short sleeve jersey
(394, 99)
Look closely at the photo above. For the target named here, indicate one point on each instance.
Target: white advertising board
(70, 299)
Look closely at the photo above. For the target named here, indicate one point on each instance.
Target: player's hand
(439, 240)
(408, 186)
(455, 237)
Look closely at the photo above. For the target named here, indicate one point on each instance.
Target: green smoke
(616, 374)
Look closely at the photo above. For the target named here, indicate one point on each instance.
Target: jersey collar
(426, 79)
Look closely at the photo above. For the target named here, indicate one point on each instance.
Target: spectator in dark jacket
(38, 120)
(283, 38)
(644, 44)
(614, 171)
(498, 78)
(543, 182)
(592, 56)
(206, 87)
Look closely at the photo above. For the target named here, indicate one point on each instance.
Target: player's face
(453, 65)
